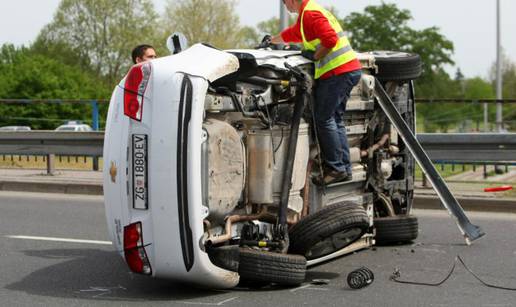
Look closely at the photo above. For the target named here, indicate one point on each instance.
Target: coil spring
(360, 278)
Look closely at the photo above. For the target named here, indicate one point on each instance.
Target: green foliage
(385, 27)
(26, 75)
(101, 32)
(205, 21)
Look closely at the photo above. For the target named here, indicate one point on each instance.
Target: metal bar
(53, 101)
(471, 232)
(52, 142)
(470, 147)
(51, 165)
(459, 100)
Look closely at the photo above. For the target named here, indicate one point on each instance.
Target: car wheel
(397, 66)
(328, 230)
(258, 267)
(396, 229)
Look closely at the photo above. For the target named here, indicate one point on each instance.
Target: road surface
(53, 252)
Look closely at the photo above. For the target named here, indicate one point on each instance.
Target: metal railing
(441, 148)
(51, 143)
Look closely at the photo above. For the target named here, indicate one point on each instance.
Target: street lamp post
(499, 94)
(283, 16)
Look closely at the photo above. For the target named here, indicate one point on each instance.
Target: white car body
(168, 196)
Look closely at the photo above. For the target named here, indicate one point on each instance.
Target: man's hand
(266, 42)
(309, 54)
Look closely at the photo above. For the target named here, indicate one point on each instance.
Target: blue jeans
(331, 96)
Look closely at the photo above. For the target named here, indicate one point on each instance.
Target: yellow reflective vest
(341, 54)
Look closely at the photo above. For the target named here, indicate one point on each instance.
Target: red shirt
(318, 26)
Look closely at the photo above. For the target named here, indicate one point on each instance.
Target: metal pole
(95, 120)
(499, 94)
(283, 16)
(95, 115)
(486, 118)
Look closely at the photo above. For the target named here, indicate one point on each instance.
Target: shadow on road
(102, 275)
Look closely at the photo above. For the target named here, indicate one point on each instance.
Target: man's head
(143, 53)
(293, 6)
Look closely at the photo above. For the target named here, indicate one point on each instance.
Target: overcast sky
(470, 24)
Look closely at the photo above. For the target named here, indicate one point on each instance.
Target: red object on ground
(499, 189)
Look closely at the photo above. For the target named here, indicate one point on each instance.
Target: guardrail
(51, 143)
(469, 147)
(464, 148)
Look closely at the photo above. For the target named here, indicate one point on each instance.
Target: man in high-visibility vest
(337, 71)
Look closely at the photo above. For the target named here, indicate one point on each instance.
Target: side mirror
(176, 43)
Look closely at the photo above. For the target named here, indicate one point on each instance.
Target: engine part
(470, 231)
(225, 168)
(266, 163)
(360, 278)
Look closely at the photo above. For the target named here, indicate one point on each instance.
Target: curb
(51, 187)
(420, 201)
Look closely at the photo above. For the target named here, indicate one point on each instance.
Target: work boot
(332, 176)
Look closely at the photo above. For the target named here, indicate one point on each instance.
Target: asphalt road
(44, 272)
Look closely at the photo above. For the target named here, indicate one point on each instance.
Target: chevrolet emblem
(113, 172)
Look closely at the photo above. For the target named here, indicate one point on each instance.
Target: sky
(470, 24)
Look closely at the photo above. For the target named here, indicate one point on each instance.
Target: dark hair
(139, 51)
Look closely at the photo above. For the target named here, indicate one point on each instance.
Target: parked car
(15, 128)
(209, 159)
(74, 127)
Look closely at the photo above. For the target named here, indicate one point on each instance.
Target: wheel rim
(334, 243)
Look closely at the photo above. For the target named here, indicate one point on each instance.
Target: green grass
(446, 171)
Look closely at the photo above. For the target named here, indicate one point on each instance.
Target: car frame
(200, 189)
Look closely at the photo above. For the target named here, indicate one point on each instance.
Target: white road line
(210, 304)
(60, 240)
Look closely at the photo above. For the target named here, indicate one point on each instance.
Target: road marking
(307, 287)
(210, 304)
(60, 240)
(103, 290)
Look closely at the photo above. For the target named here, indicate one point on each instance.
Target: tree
(385, 27)
(206, 21)
(26, 75)
(102, 32)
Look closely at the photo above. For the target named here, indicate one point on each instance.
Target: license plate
(140, 200)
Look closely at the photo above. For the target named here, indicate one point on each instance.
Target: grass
(445, 170)
(39, 162)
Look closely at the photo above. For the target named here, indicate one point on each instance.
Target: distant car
(15, 128)
(74, 127)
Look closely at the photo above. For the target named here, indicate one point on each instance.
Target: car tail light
(134, 90)
(134, 251)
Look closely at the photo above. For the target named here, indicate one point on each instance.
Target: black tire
(396, 229)
(328, 230)
(258, 266)
(397, 66)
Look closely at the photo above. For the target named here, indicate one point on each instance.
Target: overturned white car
(209, 159)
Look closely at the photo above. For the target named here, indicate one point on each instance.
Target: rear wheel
(328, 230)
(396, 229)
(397, 66)
(259, 267)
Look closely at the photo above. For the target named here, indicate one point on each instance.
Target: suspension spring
(360, 278)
